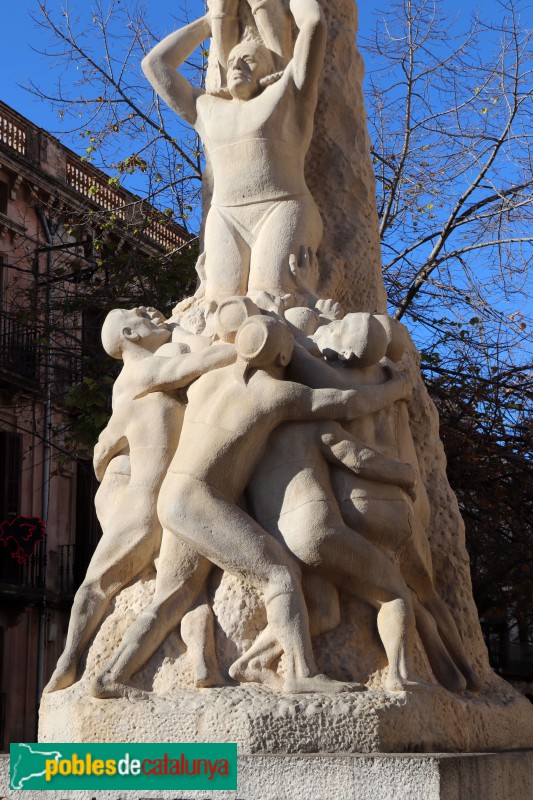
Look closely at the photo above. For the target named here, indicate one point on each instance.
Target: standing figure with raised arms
(255, 139)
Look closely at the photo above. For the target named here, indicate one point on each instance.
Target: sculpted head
(302, 320)
(264, 342)
(230, 315)
(249, 63)
(358, 339)
(125, 329)
(397, 336)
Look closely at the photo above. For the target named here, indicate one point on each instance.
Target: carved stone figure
(255, 139)
(271, 484)
(228, 419)
(381, 511)
(144, 428)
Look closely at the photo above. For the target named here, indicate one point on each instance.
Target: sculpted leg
(375, 579)
(126, 547)
(198, 633)
(322, 599)
(316, 534)
(180, 579)
(301, 225)
(227, 257)
(440, 661)
(357, 566)
(254, 556)
(420, 581)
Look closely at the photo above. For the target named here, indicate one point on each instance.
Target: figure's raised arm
(224, 28)
(310, 45)
(161, 64)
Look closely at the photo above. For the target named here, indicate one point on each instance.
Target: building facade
(52, 207)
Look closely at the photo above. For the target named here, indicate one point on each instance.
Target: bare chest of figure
(269, 115)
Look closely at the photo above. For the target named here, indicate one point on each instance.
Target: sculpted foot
(320, 684)
(250, 672)
(473, 681)
(205, 678)
(63, 676)
(104, 687)
(395, 683)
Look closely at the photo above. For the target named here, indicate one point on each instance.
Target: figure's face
(335, 342)
(139, 324)
(358, 340)
(247, 64)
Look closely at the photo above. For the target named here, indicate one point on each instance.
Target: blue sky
(19, 61)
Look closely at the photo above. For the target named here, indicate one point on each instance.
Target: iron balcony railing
(20, 351)
(67, 582)
(30, 574)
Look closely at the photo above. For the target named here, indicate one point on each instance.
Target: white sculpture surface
(271, 477)
(255, 137)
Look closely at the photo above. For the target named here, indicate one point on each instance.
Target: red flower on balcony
(20, 536)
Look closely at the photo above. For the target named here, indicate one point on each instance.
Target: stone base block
(430, 720)
(506, 775)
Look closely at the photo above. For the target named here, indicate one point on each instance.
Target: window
(10, 474)
(4, 196)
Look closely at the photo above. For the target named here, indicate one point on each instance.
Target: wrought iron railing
(29, 574)
(67, 584)
(19, 350)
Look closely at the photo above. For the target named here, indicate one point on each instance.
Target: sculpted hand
(155, 315)
(401, 383)
(100, 460)
(329, 309)
(304, 269)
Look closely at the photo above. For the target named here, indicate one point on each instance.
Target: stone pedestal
(479, 776)
(262, 722)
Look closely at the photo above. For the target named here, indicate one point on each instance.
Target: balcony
(29, 575)
(94, 186)
(67, 580)
(20, 353)
(12, 133)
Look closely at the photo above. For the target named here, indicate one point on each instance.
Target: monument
(283, 561)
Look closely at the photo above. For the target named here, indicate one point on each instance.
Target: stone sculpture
(227, 423)
(272, 474)
(256, 139)
(145, 425)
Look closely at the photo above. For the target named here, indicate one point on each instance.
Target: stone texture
(263, 721)
(480, 776)
(340, 175)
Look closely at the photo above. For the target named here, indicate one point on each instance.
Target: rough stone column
(339, 172)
